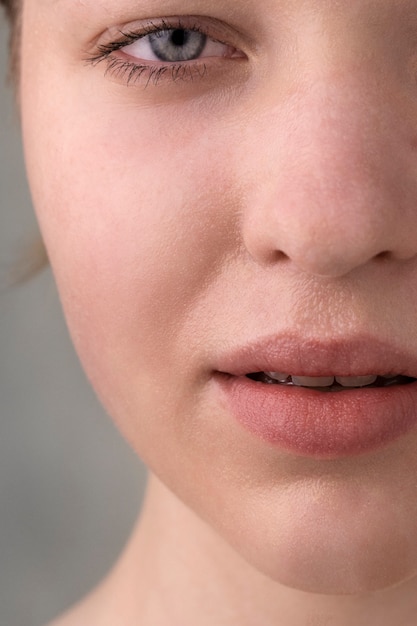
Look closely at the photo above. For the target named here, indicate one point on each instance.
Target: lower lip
(319, 424)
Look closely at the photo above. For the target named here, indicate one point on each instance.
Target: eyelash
(132, 72)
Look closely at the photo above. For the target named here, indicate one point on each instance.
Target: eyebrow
(117, 11)
(161, 6)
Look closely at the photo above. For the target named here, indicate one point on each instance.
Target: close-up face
(228, 195)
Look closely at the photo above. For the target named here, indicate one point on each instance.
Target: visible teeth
(356, 381)
(279, 376)
(330, 381)
(309, 381)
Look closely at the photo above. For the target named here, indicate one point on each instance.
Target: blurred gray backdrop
(70, 488)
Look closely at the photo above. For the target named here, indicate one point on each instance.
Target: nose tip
(316, 251)
(321, 239)
(322, 243)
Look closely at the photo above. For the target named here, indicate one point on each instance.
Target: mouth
(323, 399)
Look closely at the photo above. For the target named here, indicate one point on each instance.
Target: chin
(324, 545)
(320, 569)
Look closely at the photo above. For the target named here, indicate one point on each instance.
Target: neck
(177, 570)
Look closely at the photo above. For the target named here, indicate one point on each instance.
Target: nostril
(279, 255)
(383, 256)
(273, 257)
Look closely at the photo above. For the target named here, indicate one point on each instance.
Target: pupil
(179, 37)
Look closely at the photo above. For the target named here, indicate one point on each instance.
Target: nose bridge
(331, 172)
(337, 149)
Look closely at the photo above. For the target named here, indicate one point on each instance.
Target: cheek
(138, 219)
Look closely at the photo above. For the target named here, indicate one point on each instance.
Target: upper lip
(294, 354)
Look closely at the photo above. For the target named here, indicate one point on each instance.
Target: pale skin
(272, 189)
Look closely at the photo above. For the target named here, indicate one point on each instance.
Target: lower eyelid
(147, 74)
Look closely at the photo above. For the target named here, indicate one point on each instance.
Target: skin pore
(267, 188)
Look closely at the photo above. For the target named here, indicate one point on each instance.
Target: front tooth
(279, 376)
(355, 381)
(311, 381)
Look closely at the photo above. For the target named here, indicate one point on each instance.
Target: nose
(331, 177)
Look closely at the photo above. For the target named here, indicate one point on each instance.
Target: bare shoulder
(83, 614)
(75, 617)
(64, 620)
(89, 614)
(96, 609)
(67, 620)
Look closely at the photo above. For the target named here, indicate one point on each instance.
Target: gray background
(70, 488)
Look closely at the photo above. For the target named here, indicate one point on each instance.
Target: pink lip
(314, 423)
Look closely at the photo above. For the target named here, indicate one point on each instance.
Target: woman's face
(236, 192)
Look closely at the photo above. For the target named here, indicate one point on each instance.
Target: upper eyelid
(130, 36)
